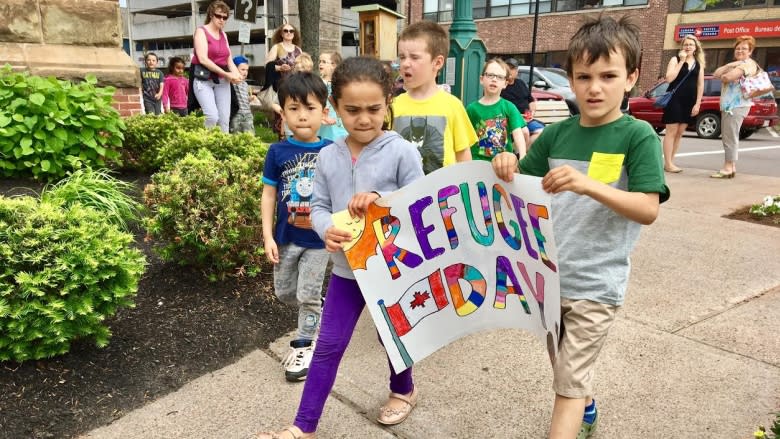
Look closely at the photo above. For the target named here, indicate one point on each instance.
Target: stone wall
(69, 39)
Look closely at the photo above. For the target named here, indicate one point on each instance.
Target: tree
(309, 12)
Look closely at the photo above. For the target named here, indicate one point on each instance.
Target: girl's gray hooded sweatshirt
(384, 166)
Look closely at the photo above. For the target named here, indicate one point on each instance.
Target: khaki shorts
(584, 328)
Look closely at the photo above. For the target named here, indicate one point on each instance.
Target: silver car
(553, 80)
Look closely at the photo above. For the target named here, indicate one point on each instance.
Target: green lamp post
(467, 54)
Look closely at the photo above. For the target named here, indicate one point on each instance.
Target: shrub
(98, 190)
(221, 145)
(62, 272)
(146, 134)
(49, 126)
(206, 213)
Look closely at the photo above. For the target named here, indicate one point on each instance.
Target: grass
(99, 190)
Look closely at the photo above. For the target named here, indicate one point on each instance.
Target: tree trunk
(309, 11)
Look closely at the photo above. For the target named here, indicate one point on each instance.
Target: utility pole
(467, 54)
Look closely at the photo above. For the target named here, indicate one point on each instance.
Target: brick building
(506, 27)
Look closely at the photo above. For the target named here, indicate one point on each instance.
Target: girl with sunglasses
(280, 60)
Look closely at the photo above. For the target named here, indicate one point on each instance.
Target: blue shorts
(534, 126)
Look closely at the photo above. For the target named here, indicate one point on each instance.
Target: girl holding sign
(352, 173)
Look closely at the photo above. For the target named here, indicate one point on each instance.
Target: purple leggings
(343, 306)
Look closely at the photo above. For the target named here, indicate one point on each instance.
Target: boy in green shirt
(498, 123)
(605, 172)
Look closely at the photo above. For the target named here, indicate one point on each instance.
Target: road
(758, 155)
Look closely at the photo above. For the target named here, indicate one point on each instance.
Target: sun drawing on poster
(358, 252)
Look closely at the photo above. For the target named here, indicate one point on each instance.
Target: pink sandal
(291, 432)
(389, 416)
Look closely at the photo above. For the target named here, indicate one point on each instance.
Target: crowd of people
(604, 168)
(308, 177)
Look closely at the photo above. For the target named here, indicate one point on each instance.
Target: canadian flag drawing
(422, 299)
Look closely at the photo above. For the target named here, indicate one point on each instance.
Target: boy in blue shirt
(605, 172)
(297, 252)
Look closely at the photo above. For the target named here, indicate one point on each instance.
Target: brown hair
(498, 61)
(173, 62)
(277, 36)
(751, 42)
(362, 69)
(435, 37)
(601, 36)
(216, 6)
(335, 58)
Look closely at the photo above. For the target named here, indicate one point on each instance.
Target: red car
(763, 113)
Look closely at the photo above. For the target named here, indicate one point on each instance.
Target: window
(713, 5)
(442, 10)
(437, 10)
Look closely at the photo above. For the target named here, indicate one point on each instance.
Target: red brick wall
(513, 35)
(128, 101)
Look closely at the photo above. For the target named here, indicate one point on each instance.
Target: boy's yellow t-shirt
(438, 126)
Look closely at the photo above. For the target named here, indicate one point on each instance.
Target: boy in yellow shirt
(432, 119)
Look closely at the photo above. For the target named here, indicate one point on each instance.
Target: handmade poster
(456, 252)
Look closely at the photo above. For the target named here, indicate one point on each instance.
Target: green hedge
(206, 213)
(146, 134)
(63, 270)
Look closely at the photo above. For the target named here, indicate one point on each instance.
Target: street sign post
(246, 10)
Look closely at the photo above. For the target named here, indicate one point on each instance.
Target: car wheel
(744, 133)
(708, 126)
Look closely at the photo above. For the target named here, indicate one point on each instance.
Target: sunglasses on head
(288, 31)
(221, 17)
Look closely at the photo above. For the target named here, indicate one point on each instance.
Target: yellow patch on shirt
(605, 167)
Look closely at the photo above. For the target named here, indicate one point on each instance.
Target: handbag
(665, 98)
(267, 98)
(200, 72)
(756, 85)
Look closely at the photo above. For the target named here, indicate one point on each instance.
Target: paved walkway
(695, 352)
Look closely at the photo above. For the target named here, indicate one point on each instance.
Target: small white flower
(768, 201)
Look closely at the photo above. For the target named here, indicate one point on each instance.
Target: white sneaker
(296, 363)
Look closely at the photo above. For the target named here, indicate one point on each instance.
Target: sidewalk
(695, 352)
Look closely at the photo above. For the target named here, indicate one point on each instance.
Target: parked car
(763, 113)
(552, 80)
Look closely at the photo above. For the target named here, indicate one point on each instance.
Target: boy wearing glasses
(498, 123)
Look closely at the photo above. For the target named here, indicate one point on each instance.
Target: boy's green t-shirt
(494, 125)
(594, 243)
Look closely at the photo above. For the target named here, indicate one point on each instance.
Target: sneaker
(587, 429)
(296, 363)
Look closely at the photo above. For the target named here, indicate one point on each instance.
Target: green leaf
(4, 120)
(45, 165)
(37, 99)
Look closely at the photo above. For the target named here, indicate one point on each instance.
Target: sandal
(291, 432)
(723, 174)
(390, 416)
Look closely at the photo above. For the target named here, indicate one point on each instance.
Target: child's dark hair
(172, 63)
(601, 36)
(299, 85)
(361, 69)
(148, 54)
